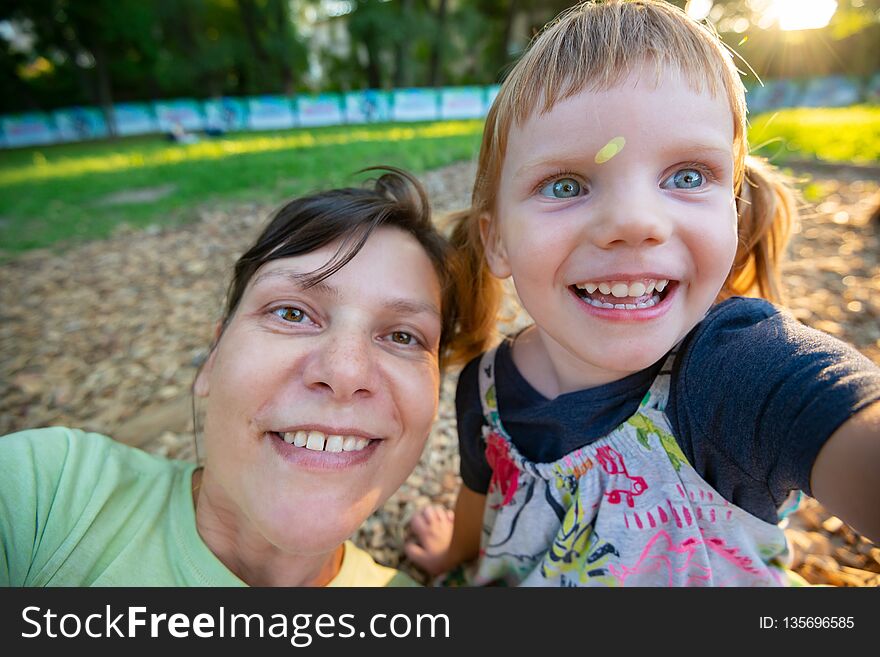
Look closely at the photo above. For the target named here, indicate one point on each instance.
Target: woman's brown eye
(290, 314)
(401, 337)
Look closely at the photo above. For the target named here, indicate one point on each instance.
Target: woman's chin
(314, 531)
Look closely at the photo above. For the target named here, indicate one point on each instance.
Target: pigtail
(481, 293)
(767, 213)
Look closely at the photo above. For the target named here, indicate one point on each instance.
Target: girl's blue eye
(561, 188)
(290, 314)
(686, 179)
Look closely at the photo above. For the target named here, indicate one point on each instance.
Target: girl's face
(615, 216)
(319, 400)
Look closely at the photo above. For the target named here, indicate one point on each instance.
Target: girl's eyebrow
(703, 149)
(400, 305)
(567, 161)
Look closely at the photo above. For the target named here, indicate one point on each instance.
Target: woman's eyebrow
(403, 306)
(296, 277)
(408, 307)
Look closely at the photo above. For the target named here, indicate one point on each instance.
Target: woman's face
(349, 367)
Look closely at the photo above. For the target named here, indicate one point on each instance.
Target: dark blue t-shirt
(754, 394)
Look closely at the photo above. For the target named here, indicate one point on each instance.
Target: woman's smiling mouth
(314, 449)
(319, 441)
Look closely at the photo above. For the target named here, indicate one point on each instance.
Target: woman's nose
(630, 220)
(343, 367)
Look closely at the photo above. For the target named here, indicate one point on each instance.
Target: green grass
(57, 195)
(846, 134)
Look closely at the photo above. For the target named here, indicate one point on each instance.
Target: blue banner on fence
(225, 114)
(774, 94)
(135, 119)
(80, 124)
(836, 91)
(872, 89)
(355, 107)
(270, 113)
(491, 93)
(414, 105)
(368, 106)
(462, 103)
(320, 109)
(32, 129)
(176, 114)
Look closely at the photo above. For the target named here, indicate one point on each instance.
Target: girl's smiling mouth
(625, 298)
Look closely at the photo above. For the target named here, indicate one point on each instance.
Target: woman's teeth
(320, 442)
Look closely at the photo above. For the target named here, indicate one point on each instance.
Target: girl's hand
(445, 539)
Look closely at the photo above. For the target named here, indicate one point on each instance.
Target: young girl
(650, 425)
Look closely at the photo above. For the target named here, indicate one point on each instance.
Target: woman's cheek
(416, 406)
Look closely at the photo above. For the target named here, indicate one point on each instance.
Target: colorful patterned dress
(625, 510)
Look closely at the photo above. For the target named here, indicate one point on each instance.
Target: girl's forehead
(647, 77)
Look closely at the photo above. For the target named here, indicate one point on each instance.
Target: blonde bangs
(595, 46)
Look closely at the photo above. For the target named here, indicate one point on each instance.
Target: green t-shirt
(79, 509)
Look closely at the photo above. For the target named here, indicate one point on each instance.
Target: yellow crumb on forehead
(610, 149)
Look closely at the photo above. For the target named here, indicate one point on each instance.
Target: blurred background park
(142, 144)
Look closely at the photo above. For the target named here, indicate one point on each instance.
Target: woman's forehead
(390, 260)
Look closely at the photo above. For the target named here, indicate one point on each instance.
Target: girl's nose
(630, 219)
(343, 367)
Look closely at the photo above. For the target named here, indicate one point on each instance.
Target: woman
(319, 393)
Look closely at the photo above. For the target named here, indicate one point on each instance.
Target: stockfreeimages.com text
(300, 629)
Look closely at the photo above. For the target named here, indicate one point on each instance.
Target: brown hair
(351, 215)
(594, 46)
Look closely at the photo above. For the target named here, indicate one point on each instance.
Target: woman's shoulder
(67, 447)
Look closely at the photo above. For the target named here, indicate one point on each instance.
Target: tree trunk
(282, 20)
(104, 91)
(249, 18)
(401, 61)
(435, 74)
(374, 74)
(503, 53)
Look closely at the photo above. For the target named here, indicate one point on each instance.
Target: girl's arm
(467, 527)
(445, 539)
(846, 474)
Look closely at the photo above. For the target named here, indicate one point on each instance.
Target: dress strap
(658, 394)
(488, 397)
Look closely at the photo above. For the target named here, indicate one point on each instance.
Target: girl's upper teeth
(621, 289)
(318, 441)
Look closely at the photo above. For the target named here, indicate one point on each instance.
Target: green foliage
(98, 52)
(846, 134)
(64, 193)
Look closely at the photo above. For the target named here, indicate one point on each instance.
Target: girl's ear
(496, 254)
(201, 387)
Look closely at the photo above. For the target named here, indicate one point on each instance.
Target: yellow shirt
(359, 569)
